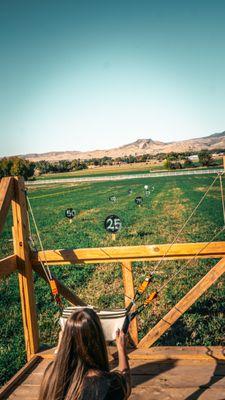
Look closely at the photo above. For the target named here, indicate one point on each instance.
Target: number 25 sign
(112, 224)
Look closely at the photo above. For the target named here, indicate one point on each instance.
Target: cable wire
(222, 197)
(184, 225)
(191, 259)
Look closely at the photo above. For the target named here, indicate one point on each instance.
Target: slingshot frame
(24, 261)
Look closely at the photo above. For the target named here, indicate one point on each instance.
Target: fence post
(129, 294)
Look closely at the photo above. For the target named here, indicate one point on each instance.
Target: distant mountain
(139, 147)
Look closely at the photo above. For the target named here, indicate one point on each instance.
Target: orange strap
(53, 286)
(144, 284)
(151, 297)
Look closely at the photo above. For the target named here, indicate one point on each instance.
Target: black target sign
(70, 213)
(112, 224)
(139, 200)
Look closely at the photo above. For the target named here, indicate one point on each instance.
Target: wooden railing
(12, 192)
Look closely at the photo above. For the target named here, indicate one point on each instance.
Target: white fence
(124, 177)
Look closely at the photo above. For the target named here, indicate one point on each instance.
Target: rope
(184, 225)
(222, 197)
(34, 246)
(46, 266)
(191, 259)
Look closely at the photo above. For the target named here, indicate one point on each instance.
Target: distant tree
(188, 163)
(82, 165)
(145, 157)
(96, 162)
(160, 156)
(205, 158)
(22, 167)
(78, 165)
(43, 166)
(64, 166)
(74, 165)
(176, 165)
(106, 160)
(167, 164)
(173, 156)
(131, 159)
(5, 166)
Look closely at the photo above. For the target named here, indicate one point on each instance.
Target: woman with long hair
(80, 370)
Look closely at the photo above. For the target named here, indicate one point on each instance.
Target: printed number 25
(113, 224)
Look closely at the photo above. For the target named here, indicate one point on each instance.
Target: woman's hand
(120, 340)
(122, 355)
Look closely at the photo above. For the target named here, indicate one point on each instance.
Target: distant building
(216, 155)
(194, 158)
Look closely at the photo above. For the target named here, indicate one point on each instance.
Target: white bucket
(111, 320)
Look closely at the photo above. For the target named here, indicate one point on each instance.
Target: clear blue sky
(80, 75)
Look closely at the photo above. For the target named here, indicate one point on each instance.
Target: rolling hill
(139, 147)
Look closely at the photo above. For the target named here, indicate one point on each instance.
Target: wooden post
(26, 284)
(6, 195)
(183, 305)
(224, 162)
(129, 294)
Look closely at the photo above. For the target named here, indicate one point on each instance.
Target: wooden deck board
(164, 379)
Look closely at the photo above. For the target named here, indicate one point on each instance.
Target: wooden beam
(165, 353)
(129, 294)
(8, 265)
(16, 380)
(63, 289)
(26, 284)
(6, 195)
(130, 253)
(183, 305)
(162, 353)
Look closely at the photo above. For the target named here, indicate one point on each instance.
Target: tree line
(17, 166)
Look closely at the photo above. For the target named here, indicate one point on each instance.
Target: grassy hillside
(161, 215)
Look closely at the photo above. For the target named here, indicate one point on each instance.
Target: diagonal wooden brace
(8, 265)
(63, 289)
(183, 305)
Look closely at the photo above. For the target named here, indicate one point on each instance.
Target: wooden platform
(159, 373)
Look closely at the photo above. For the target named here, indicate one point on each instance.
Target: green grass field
(123, 169)
(110, 170)
(156, 221)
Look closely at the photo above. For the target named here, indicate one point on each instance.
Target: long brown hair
(82, 348)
